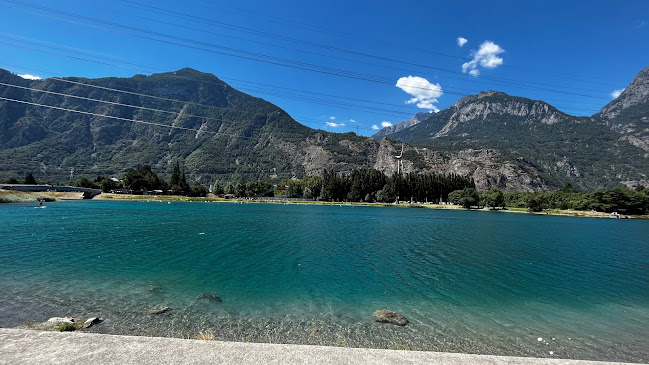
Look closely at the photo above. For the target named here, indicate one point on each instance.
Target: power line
(118, 118)
(150, 109)
(254, 56)
(362, 108)
(366, 37)
(140, 107)
(323, 46)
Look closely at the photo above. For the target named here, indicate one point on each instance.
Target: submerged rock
(159, 310)
(90, 322)
(153, 289)
(385, 316)
(211, 297)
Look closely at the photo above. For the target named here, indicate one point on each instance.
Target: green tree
(230, 189)
(142, 178)
(176, 179)
(241, 188)
(218, 189)
(259, 188)
(84, 182)
(107, 184)
(198, 190)
(568, 189)
(535, 202)
(30, 180)
(494, 199)
(185, 189)
(469, 198)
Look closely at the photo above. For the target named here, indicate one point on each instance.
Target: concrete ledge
(38, 347)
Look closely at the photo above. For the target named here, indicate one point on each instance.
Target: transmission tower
(399, 161)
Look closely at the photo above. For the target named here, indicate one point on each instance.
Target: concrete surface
(19, 346)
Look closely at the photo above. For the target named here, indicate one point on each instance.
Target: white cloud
(423, 93)
(385, 123)
(30, 77)
(352, 121)
(485, 57)
(461, 41)
(335, 125)
(616, 93)
(332, 118)
(375, 127)
(428, 105)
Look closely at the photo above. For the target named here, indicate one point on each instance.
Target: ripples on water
(468, 281)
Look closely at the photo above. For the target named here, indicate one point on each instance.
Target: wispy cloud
(423, 93)
(375, 127)
(335, 125)
(485, 57)
(352, 121)
(385, 123)
(332, 118)
(461, 41)
(30, 77)
(616, 93)
(639, 24)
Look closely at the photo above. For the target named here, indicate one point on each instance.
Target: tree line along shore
(364, 186)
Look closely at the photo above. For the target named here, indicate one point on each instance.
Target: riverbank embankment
(42, 347)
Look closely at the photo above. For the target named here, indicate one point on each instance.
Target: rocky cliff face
(587, 152)
(628, 114)
(485, 166)
(637, 93)
(494, 105)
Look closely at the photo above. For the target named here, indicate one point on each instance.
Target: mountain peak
(189, 74)
(499, 97)
(484, 94)
(635, 95)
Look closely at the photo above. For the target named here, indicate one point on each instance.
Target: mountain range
(107, 126)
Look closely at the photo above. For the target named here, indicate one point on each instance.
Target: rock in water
(153, 289)
(385, 316)
(159, 310)
(211, 296)
(55, 320)
(90, 322)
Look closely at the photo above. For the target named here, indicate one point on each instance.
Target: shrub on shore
(205, 336)
(10, 196)
(65, 327)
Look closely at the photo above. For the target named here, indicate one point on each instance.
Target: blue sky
(344, 65)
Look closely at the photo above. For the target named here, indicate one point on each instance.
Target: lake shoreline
(178, 198)
(9, 196)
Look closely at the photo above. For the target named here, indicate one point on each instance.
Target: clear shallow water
(477, 282)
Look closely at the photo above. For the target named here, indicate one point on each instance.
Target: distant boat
(615, 215)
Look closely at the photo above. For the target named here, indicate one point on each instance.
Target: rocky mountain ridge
(221, 134)
(401, 125)
(588, 152)
(628, 114)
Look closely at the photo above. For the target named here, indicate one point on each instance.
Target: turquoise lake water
(478, 282)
